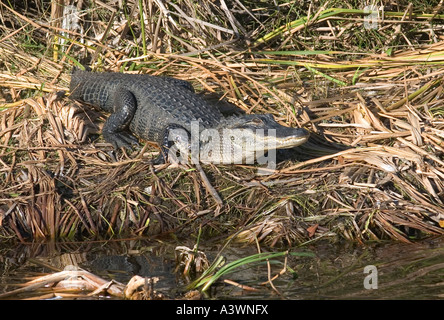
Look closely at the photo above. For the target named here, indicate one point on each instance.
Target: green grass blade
(339, 82)
(207, 279)
(142, 28)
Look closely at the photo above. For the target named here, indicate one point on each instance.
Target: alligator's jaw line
(288, 142)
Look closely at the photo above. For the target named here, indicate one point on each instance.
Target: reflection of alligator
(163, 110)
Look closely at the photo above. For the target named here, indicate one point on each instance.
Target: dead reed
(371, 96)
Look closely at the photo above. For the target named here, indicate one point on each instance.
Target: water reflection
(403, 271)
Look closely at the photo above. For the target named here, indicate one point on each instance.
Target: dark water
(336, 271)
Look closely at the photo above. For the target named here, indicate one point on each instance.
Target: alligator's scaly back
(159, 101)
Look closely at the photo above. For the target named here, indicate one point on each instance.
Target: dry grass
(372, 98)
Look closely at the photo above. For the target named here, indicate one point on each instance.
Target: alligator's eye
(257, 121)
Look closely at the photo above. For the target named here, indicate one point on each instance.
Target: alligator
(168, 112)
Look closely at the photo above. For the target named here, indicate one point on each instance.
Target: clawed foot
(121, 140)
(160, 159)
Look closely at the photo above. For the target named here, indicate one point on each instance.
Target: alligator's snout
(265, 131)
(291, 139)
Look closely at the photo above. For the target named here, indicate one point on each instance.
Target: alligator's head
(238, 139)
(247, 138)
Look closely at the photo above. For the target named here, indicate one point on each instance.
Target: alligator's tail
(75, 84)
(75, 70)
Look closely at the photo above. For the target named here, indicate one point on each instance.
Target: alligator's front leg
(115, 128)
